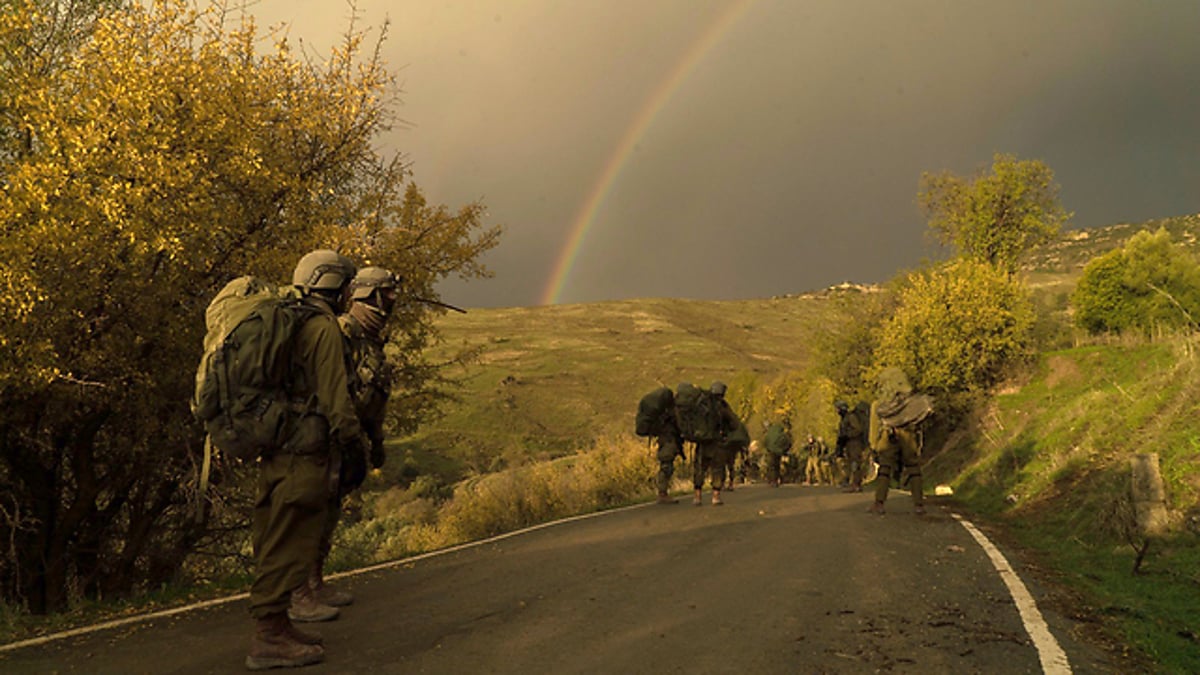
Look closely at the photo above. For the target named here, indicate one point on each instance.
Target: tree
(996, 217)
(163, 155)
(957, 327)
(1148, 284)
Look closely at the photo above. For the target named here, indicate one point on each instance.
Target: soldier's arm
(325, 363)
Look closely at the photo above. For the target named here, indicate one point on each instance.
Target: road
(789, 580)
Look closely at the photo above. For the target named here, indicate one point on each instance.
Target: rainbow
(584, 220)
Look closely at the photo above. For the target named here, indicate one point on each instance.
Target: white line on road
(1053, 658)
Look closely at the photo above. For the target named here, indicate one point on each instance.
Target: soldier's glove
(354, 466)
(378, 456)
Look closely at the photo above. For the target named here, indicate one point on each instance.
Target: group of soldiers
(882, 438)
(342, 375)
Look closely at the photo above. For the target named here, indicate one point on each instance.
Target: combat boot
(664, 498)
(697, 501)
(876, 508)
(274, 646)
(306, 608)
(326, 594)
(717, 498)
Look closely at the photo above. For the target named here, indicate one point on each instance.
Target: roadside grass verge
(1050, 462)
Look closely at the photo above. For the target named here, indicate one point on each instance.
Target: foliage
(1149, 284)
(156, 157)
(996, 217)
(957, 328)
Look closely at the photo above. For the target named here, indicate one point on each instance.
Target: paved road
(790, 580)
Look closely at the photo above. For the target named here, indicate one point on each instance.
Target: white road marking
(117, 623)
(1053, 658)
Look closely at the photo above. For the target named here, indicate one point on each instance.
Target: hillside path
(789, 580)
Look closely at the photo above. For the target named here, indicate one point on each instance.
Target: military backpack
(243, 382)
(698, 414)
(655, 413)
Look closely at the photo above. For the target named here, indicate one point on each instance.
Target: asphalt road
(789, 580)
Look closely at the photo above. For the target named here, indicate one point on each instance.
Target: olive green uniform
(370, 383)
(899, 455)
(670, 446)
(711, 456)
(290, 508)
(778, 442)
(812, 467)
(852, 438)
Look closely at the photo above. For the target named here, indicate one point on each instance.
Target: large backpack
(898, 406)
(697, 413)
(243, 383)
(654, 413)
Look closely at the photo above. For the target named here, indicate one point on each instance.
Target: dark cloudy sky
(786, 158)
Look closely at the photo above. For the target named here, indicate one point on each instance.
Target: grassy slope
(554, 378)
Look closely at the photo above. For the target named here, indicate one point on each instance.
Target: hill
(552, 379)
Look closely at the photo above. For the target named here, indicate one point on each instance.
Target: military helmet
(841, 406)
(323, 270)
(717, 388)
(370, 278)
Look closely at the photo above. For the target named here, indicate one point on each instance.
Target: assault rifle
(438, 303)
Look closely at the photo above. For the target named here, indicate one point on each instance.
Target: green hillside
(552, 379)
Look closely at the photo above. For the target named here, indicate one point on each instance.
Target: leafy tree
(995, 217)
(957, 327)
(1148, 284)
(158, 157)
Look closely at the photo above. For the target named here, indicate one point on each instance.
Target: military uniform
(779, 442)
(710, 456)
(898, 446)
(852, 439)
(291, 505)
(812, 467)
(670, 446)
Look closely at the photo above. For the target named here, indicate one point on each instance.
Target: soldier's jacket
(324, 381)
(778, 440)
(853, 431)
(371, 382)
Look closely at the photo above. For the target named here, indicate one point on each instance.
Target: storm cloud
(786, 156)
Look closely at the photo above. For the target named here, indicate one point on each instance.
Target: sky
(732, 149)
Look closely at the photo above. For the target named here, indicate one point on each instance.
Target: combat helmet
(369, 279)
(323, 270)
(717, 388)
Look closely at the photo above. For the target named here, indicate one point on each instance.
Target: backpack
(898, 406)
(654, 413)
(243, 383)
(778, 440)
(698, 416)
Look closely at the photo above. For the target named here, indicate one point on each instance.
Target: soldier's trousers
(289, 516)
(773, 466)
(812, 470)
(667, 451)
(900, 456)
(710, 461)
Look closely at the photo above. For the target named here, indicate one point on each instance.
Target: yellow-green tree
(168, 150)
(994, 217)
(957, 327)
(1149, 284)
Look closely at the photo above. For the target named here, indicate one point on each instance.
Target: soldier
(293, 487)
(735, 445)
(373, 296)
(669, 444)
(896, 438)
(825, 455)
(710, 455)
(852, 441)
(778, 443)
(812, 467)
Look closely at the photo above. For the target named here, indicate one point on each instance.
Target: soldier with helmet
(292, 494)
(372, 299)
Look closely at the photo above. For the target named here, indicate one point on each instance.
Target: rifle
(439, 303)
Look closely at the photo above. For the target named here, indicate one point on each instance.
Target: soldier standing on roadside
(372, 296)
(293, 486)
